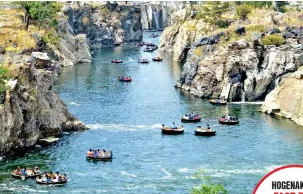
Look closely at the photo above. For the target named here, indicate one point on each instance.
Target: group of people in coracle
(52, 178)
(102, 154)
(27, 171)
(46, 178)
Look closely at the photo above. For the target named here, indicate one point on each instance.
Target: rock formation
(31, 108)
(287, 98)
(241, 67)
(106, 23)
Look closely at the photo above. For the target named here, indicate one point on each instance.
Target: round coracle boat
(218, 102)
(205, 132)
(40, 180)
(157, 59)
(148, 49)
(172, 131)
(143, 61)
(122, 79)
(225, 121)
(117, 43)
(189, 119)
(30, 173)
(117, 61)
(106, 156)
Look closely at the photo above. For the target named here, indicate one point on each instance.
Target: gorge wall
(229, 63)
(83, 27)
(31, 109)
(158, 15)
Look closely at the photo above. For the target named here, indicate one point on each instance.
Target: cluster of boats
(46, 178)
(194, 118)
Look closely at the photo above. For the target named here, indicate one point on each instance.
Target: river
(126, 118)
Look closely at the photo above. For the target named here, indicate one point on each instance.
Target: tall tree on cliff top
(42, 12)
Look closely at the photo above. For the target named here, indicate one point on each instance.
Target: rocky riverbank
(252, 58)
(286, 99)
(31, 109)
(234, 63)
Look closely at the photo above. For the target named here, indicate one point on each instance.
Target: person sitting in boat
(229, 118)
(24, 171)
(45, 178)
(199, 127)
(208, 127)
(64, 178)
(173, 126)
(36, 170)
(90, 153)
(44, 174)
(51, 175)
(57, 177)
(95, 153)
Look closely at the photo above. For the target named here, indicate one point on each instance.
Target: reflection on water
(126, 117)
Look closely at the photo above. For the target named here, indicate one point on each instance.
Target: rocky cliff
(83, 27)
(31, 108)
(106, 23)
(234, 62)
(287, 98)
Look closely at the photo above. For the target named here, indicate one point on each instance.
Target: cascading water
(156, 17)
(243, 96)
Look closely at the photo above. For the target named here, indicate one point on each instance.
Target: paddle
(23, 177)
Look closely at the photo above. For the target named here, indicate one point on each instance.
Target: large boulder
(286, 99)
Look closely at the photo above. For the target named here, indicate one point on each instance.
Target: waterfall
(243, 96)
(156, 18)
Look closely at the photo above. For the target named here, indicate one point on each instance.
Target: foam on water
(75, 104)
(168, 174)
(122, 127)
(128, 174)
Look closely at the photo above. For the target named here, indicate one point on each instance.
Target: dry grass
(12, 31)
(198, 51)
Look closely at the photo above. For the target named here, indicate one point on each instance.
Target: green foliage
(243, 10)
(3, 76)
(207, 186)
(274, 39)
(43, 12)
(280, 6)
(258, 4)
(211, 12)
(51, 37)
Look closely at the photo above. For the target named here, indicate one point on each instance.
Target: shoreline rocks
(32, 109)
(287, 98)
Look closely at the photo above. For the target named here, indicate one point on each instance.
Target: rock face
(181, 34)
(239, 70)
(72, 48)
(32, 109)
(287, 98)
(106, 23)
(158, 15)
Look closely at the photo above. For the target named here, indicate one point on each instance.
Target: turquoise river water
(126, 118)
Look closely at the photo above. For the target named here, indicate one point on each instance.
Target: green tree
(206, 186)
(211, 12)
(243, 10)
(43, 12)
